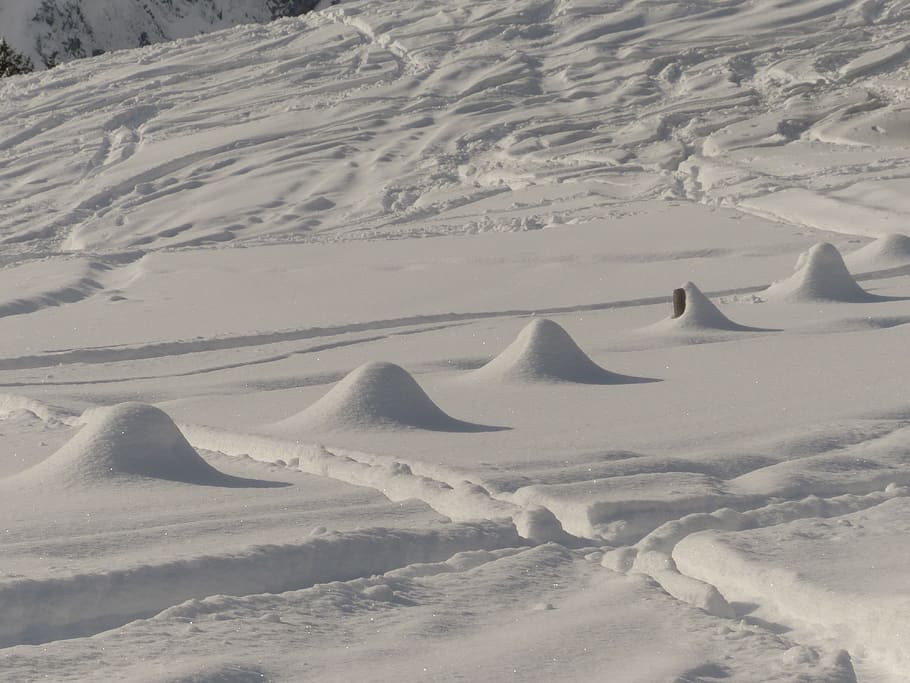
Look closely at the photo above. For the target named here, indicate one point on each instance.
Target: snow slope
(329, 345)
(55, 31)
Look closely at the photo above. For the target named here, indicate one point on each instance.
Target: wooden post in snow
(679, 302)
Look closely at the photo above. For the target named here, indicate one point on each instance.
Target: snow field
(230, 228)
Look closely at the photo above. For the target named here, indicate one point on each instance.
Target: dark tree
(13, 63)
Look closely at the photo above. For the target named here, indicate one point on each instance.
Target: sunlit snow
(341, 348)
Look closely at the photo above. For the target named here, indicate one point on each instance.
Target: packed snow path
(529, 461)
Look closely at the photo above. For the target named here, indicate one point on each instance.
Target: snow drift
(821, 275)
(544, 351)
(126, 441)
(375, 396)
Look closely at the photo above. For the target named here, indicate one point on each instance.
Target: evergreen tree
(13, 63)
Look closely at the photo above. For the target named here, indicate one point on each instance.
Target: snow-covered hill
(54, 31)
(396, 277)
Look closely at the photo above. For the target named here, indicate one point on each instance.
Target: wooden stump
(679, 302)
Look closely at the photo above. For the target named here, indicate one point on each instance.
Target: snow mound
(544, 351)
(886, 252)
(129, 440)
(821, 275)
(375, 396)
(700, 314)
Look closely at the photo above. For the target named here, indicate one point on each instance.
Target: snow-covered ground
(341, 348)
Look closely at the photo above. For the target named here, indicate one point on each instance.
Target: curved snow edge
(36, 611)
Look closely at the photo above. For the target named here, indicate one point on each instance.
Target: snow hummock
(125, 441)
(821, 275)
(544, 351)
(700, 314)
(376, 395)
(886, 252)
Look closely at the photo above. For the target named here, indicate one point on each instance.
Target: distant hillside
(53, 31)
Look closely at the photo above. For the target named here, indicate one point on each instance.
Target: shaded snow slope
(124, 442)
(821, 275)
(55, 31)
(375, 396)
(544, 351)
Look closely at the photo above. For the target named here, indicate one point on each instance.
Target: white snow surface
(329, 347)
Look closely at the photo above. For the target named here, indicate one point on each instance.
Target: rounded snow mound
(544, 351)
(700, 314)
(128, 440)
(821, 275)
(886, 252)
(375, 396)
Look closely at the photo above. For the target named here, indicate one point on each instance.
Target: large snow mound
(889, 251)
(821, 275)
(376, 395)
(125, 441)
(544, 351)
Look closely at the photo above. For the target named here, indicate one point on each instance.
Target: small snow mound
(701, 314)
(374, 396)
(821, 275)
(544, 351)
(889, 251)
(124, 441)
(537, 524)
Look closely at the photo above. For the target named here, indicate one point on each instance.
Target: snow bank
(41, 610)
(126, 441)
(622, 509)
(817, 571)
(463, 501)
(653, 554)
(374, 396)
(821, 275)
(544, 352)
